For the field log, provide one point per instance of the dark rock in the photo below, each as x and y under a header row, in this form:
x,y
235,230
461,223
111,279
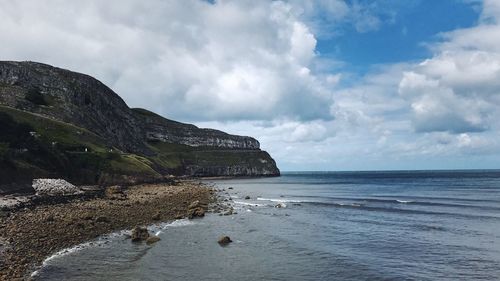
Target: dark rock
x,y
102,219
280,205
247,197
156,216
196,212
139,234
224,240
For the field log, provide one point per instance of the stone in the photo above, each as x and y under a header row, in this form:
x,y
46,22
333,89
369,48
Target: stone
x,y
194,204
156,217
152,239
139,234
102,219
197,212
247,197
224,240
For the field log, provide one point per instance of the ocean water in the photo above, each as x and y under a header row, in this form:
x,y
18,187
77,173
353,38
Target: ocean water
x,y
423,225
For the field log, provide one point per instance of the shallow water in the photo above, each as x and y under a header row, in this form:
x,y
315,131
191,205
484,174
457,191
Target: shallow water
x,y
336,226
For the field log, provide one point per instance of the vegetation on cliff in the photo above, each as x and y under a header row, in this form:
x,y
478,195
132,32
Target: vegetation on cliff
x,y
57,123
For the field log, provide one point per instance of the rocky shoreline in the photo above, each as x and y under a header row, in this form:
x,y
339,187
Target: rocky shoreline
x,y
32,232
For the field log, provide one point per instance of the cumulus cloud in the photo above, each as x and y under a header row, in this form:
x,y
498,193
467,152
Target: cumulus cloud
x,y
458,89
193,60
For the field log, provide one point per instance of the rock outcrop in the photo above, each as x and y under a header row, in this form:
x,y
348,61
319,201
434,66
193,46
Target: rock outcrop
x,y
69,125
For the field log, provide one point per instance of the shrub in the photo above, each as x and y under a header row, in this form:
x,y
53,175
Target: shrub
x,y
34,96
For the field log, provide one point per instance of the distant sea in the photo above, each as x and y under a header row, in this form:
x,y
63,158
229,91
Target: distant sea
x,y
404,225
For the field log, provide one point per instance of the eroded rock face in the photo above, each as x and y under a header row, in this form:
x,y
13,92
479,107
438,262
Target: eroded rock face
x,y
87,103
160,129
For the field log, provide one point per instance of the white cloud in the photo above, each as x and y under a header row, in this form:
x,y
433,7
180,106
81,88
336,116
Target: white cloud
x,y
186,59
251,68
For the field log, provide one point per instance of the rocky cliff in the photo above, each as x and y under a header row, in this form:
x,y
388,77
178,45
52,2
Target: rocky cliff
x,y
68,124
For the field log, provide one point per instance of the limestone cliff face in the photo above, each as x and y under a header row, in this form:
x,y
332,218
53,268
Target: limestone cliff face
x,y
167,147
158,128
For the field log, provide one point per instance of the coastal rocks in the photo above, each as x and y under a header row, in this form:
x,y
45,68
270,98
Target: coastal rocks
x,y
139,234
280,205
54,187
247,197
156,216
196,209
224,240
101,219
152,239
115,193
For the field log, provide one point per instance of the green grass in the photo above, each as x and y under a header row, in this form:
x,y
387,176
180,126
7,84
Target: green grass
x,y
60,150
67,135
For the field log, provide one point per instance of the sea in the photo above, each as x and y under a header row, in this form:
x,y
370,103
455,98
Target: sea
x,y
388,225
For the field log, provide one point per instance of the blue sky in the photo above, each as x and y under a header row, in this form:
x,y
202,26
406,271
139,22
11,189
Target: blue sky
x,y
404,29
322,84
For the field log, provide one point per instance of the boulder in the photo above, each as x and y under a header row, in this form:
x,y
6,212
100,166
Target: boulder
x,y
152,239
194,204
280,205
224,240
197,212
139,234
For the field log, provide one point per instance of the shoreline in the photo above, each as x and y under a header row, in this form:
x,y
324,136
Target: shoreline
x,y
31,235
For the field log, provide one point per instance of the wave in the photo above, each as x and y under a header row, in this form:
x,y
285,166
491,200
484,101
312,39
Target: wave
x,y
279,200
249,204
401,200
396,210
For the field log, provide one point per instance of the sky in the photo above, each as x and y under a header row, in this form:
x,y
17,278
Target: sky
x,y
322,84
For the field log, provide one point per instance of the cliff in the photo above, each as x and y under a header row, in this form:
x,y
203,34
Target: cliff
x,y
60,123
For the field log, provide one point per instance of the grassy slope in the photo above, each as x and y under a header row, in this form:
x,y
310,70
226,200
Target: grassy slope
x,y
61,153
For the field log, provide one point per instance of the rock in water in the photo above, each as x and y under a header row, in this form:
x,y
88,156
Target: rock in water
x,y
54,187
280,205
152,239
196,209
247,197
224,240
139,234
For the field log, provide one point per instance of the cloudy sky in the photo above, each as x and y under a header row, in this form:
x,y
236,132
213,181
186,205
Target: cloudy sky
x,y
324,85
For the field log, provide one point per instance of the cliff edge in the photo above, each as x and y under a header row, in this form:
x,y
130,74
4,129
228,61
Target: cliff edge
x,y
59,123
